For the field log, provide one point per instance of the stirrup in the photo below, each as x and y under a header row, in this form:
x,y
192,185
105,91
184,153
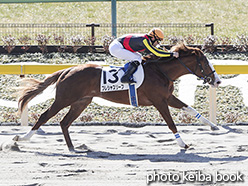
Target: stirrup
x,y
127,80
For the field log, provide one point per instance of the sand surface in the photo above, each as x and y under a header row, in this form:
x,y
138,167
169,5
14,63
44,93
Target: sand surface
x,y
122,156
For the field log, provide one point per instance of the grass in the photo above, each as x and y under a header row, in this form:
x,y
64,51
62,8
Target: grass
x,y
229,16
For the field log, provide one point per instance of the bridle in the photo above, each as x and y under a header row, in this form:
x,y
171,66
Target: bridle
x,y
205,77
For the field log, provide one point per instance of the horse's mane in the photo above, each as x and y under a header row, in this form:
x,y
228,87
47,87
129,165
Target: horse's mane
x,y
185,50
181,48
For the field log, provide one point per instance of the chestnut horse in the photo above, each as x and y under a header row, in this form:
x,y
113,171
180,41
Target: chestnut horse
x,y
76,86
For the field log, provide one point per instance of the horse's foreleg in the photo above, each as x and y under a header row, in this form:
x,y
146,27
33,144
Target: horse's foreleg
x,y
176,103
197,115
162,107
75,110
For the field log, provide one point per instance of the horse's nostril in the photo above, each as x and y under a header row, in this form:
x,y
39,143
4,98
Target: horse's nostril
x,y
218,82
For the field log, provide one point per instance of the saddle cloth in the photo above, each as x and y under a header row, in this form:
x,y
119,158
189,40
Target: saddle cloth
x,y
111,79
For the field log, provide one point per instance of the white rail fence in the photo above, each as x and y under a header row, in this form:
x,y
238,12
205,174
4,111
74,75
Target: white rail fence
x,y
187,84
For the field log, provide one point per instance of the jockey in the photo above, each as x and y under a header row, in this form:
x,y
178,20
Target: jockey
x,y
128,47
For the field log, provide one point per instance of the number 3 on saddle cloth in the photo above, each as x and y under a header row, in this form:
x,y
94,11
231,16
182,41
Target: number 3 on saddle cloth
x,y
111,81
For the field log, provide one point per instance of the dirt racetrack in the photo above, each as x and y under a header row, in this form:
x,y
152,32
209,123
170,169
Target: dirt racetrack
x,y
121,156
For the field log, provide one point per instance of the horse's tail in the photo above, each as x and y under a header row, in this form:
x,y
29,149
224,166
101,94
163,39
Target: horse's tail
x,y
34,87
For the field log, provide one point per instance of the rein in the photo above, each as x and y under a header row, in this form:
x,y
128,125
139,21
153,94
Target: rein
x,y
206,77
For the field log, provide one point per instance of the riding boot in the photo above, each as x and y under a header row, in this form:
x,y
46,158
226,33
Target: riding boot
x,y
129,72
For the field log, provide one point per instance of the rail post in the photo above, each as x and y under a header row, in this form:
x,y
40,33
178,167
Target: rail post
x,y
212,27
24,114
212,105
114,20
93,25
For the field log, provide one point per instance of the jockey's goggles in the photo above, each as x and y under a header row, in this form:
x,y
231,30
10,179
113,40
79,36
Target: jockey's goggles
x,y
157,38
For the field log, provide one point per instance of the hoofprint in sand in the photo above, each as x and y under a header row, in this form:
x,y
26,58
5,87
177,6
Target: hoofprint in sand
x,y
117,155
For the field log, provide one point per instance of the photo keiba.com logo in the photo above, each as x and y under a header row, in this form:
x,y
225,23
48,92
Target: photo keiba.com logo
x,y
195,176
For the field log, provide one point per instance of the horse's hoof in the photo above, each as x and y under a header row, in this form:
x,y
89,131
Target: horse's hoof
x,y
84,148
71,149
16,138
214,128
186,146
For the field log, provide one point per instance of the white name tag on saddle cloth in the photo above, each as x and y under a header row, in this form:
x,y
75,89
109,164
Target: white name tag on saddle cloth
x,y
111,79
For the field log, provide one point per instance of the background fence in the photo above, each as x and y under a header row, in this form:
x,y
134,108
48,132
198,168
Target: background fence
x,y
71,33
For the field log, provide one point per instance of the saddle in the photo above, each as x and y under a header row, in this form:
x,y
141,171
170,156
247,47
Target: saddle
x,y
111,78
111,81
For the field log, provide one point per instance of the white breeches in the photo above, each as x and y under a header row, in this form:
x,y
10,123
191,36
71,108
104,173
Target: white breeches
x,y
116,49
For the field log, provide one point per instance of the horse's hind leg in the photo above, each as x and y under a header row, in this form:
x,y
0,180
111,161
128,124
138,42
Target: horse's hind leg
x,y
176,103
75,110
49,113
